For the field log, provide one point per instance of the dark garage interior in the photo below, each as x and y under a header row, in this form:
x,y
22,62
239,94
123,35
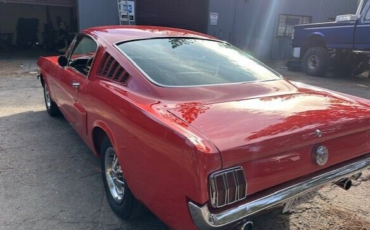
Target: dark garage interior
x,y
36,25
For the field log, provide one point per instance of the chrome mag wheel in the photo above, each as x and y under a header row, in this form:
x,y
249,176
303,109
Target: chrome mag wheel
x,y
114,175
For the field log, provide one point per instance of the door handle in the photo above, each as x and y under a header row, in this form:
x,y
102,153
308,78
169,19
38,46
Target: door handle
x,y
75,85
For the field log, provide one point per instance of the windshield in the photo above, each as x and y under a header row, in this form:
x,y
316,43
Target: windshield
x,y
194,62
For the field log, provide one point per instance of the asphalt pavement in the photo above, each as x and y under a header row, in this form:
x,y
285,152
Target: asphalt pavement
x,y
49,179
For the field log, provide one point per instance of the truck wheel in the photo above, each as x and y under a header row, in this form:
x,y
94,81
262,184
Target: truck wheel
x,y
359,64
351,64
51,106
119,195
316,61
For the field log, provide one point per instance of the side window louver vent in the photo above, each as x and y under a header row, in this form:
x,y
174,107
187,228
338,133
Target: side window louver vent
x,y
111,69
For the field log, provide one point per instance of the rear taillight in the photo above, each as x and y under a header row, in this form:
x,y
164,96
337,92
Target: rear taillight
x,y
227,187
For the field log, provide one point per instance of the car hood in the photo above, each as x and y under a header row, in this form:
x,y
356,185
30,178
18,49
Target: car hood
x,y
284,121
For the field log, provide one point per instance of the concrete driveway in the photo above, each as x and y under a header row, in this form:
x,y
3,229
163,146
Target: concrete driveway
x,y
49,179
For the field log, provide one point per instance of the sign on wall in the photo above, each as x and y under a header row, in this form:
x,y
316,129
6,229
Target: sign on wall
x,y
213,18
127,10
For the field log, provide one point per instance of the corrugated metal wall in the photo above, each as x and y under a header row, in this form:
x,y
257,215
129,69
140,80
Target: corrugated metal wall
x,y
254,27
63,3
97,13
185,14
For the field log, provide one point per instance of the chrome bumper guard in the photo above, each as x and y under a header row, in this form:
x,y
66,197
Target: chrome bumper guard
x,y
205,220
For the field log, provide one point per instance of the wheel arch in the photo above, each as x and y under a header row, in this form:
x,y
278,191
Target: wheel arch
x,y
99,131
314,40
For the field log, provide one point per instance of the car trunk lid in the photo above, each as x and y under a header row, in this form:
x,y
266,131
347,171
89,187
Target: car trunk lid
x,y
273,137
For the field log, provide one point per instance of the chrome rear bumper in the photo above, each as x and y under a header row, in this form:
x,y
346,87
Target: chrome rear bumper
x,y
205,220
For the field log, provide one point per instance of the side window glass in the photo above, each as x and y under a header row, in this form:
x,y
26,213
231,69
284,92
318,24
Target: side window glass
x,y
85,47
83,55
367,16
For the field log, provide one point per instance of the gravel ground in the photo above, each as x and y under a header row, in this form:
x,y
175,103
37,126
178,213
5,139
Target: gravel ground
x,y
49,179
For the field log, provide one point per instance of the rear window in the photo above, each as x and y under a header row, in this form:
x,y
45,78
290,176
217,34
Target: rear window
x,y
194,62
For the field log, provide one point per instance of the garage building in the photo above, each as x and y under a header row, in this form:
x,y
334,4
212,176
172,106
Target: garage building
x,y
261,27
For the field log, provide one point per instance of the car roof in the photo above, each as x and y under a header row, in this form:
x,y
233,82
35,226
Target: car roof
x,y
116,34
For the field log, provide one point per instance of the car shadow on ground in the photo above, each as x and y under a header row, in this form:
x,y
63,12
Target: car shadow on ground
x,y
49,179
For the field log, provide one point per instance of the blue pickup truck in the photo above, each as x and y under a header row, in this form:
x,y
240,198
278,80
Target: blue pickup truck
x,y
342,46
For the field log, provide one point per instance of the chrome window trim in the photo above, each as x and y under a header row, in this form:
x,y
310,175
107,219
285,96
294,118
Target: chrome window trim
x,y
205,220
116,45
74,42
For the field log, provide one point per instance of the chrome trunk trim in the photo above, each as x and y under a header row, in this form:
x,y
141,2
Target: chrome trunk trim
x,y
205,220
361,51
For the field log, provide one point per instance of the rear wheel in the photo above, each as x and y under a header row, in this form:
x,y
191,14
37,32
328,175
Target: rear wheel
x,y
51,106
119,195
351,64
316,61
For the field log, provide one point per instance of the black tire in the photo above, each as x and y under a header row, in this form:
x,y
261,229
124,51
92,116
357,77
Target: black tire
x,y
362,66
129,208
352,64
320,66
51,106
294,66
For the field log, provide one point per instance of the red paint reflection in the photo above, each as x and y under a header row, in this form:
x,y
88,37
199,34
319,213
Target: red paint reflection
x,y
191,111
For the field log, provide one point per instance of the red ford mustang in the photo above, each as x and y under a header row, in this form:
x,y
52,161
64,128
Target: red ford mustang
x,y
198,132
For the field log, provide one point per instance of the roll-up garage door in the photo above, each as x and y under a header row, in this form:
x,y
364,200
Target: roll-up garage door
x,y
185,14
65,3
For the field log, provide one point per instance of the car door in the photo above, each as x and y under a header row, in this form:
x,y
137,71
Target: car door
x,y
362,38
75,79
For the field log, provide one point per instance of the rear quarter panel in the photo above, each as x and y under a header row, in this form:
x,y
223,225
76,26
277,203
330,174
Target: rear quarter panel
x,y
163,169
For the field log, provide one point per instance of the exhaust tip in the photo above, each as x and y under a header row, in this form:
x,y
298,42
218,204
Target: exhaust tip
x,y
345,184
249,226
356,176
246,226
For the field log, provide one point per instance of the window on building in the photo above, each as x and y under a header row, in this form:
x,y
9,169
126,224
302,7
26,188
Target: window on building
x,y
287,23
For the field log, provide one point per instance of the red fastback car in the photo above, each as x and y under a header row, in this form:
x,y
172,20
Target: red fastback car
x,y
197,131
